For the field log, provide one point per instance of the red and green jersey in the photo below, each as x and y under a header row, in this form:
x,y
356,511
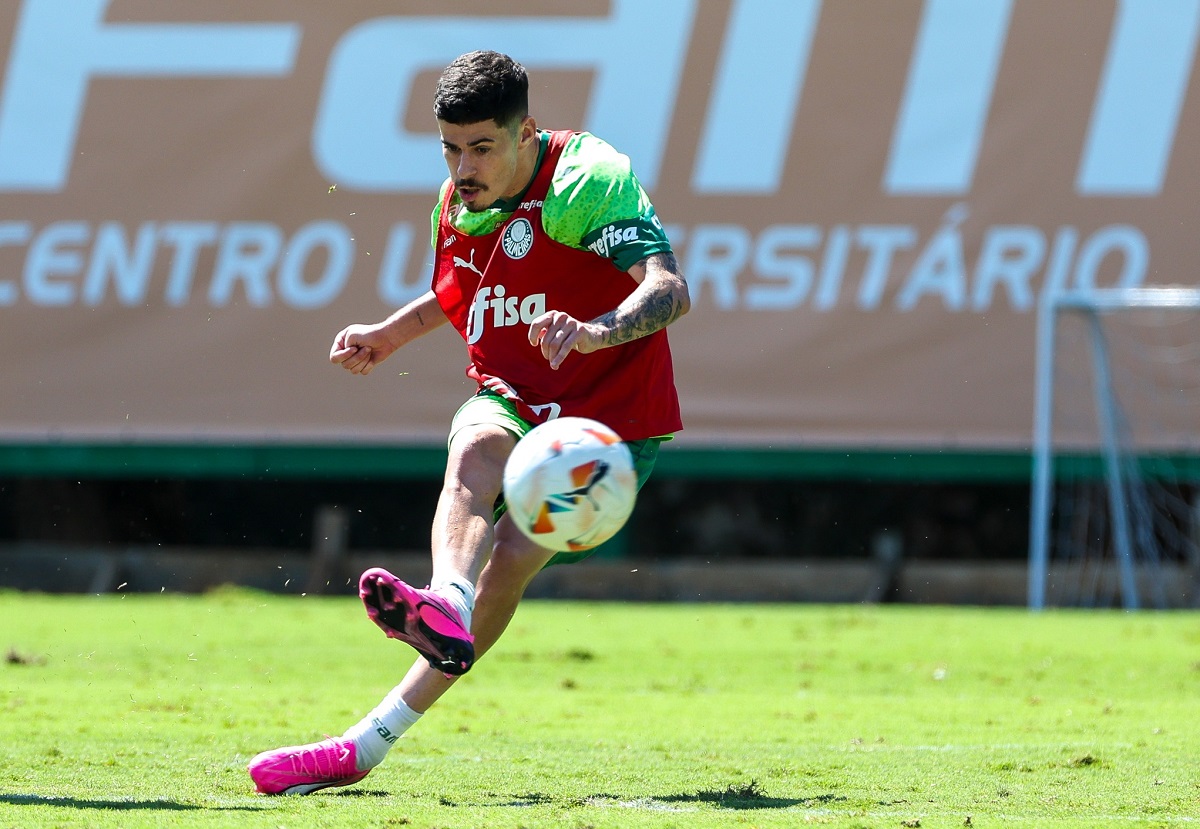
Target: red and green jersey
x,y
522,261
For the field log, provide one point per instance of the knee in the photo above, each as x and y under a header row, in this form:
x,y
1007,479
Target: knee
x,y
514,555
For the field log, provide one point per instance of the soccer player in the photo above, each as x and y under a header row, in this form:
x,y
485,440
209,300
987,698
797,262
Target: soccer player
x,y
552,265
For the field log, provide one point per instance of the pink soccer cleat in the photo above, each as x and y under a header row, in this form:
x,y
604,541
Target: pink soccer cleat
x,y
304,769
421,618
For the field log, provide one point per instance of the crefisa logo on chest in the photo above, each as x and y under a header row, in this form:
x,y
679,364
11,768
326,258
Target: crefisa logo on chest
x,y
517,238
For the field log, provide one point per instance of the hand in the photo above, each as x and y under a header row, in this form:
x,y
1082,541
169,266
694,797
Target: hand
x,y
359,348
559,334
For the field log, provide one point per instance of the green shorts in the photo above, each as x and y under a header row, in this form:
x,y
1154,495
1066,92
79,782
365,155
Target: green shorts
x,y
491,409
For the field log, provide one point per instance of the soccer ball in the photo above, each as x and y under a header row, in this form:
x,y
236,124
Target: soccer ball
x,y
569,484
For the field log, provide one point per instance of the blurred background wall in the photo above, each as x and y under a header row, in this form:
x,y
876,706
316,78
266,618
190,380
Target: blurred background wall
x,y
870,202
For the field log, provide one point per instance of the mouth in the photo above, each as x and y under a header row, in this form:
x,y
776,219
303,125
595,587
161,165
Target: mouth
x,y
468,191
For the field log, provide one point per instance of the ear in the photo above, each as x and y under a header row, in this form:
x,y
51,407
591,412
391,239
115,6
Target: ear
x,y
527,132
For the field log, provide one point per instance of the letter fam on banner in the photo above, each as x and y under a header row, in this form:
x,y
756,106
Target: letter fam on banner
x,y
359,140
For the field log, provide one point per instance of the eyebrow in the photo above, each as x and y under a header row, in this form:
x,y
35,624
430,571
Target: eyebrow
x,y
475,143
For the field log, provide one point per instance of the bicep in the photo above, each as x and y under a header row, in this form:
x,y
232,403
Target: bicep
x,y
432,309
661,283
656,267
421,315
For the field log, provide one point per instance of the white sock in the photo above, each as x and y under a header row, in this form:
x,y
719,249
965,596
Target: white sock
x,y
375,733
460,593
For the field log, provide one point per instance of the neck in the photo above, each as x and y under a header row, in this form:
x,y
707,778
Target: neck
x,y
526,166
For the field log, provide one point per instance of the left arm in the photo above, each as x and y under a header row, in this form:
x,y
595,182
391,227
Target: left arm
x,y
660,298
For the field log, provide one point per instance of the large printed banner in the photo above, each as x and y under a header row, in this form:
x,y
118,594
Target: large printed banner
x,y
868,199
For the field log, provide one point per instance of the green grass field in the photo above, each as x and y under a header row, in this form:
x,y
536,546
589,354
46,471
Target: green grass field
x,y
142,711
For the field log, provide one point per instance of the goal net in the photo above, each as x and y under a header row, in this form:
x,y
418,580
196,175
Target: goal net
x,y
1115,504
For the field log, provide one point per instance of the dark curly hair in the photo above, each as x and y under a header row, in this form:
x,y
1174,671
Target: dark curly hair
x,y
481,86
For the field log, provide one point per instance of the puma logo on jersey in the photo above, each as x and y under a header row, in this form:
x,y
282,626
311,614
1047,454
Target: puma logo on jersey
x,y
495,306
459,262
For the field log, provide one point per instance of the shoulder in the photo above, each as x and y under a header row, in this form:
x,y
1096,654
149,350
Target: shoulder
x,y
596,203
441,199
593,185
435,215
590,162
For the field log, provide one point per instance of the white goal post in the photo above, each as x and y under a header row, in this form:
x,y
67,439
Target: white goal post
x,y
1092,305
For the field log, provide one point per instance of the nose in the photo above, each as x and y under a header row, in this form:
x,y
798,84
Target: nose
x,y
466,168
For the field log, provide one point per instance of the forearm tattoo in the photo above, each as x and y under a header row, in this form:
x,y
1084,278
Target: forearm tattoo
x,y
646,311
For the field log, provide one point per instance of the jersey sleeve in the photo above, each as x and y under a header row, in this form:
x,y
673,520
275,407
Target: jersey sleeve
x,y
596,203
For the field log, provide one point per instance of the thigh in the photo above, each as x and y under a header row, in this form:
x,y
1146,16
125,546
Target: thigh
x,y
487,409
482,435
475,463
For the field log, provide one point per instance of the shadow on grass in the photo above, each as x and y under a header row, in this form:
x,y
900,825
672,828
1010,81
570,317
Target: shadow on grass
x,y
747,797
117,805
733,797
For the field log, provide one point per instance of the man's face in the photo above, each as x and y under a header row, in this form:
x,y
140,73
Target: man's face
x,y
484,159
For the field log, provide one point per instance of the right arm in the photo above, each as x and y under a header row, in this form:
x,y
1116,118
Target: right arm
x,y
359,348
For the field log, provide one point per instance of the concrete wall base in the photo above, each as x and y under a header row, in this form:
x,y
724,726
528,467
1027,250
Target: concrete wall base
x,y
184,570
